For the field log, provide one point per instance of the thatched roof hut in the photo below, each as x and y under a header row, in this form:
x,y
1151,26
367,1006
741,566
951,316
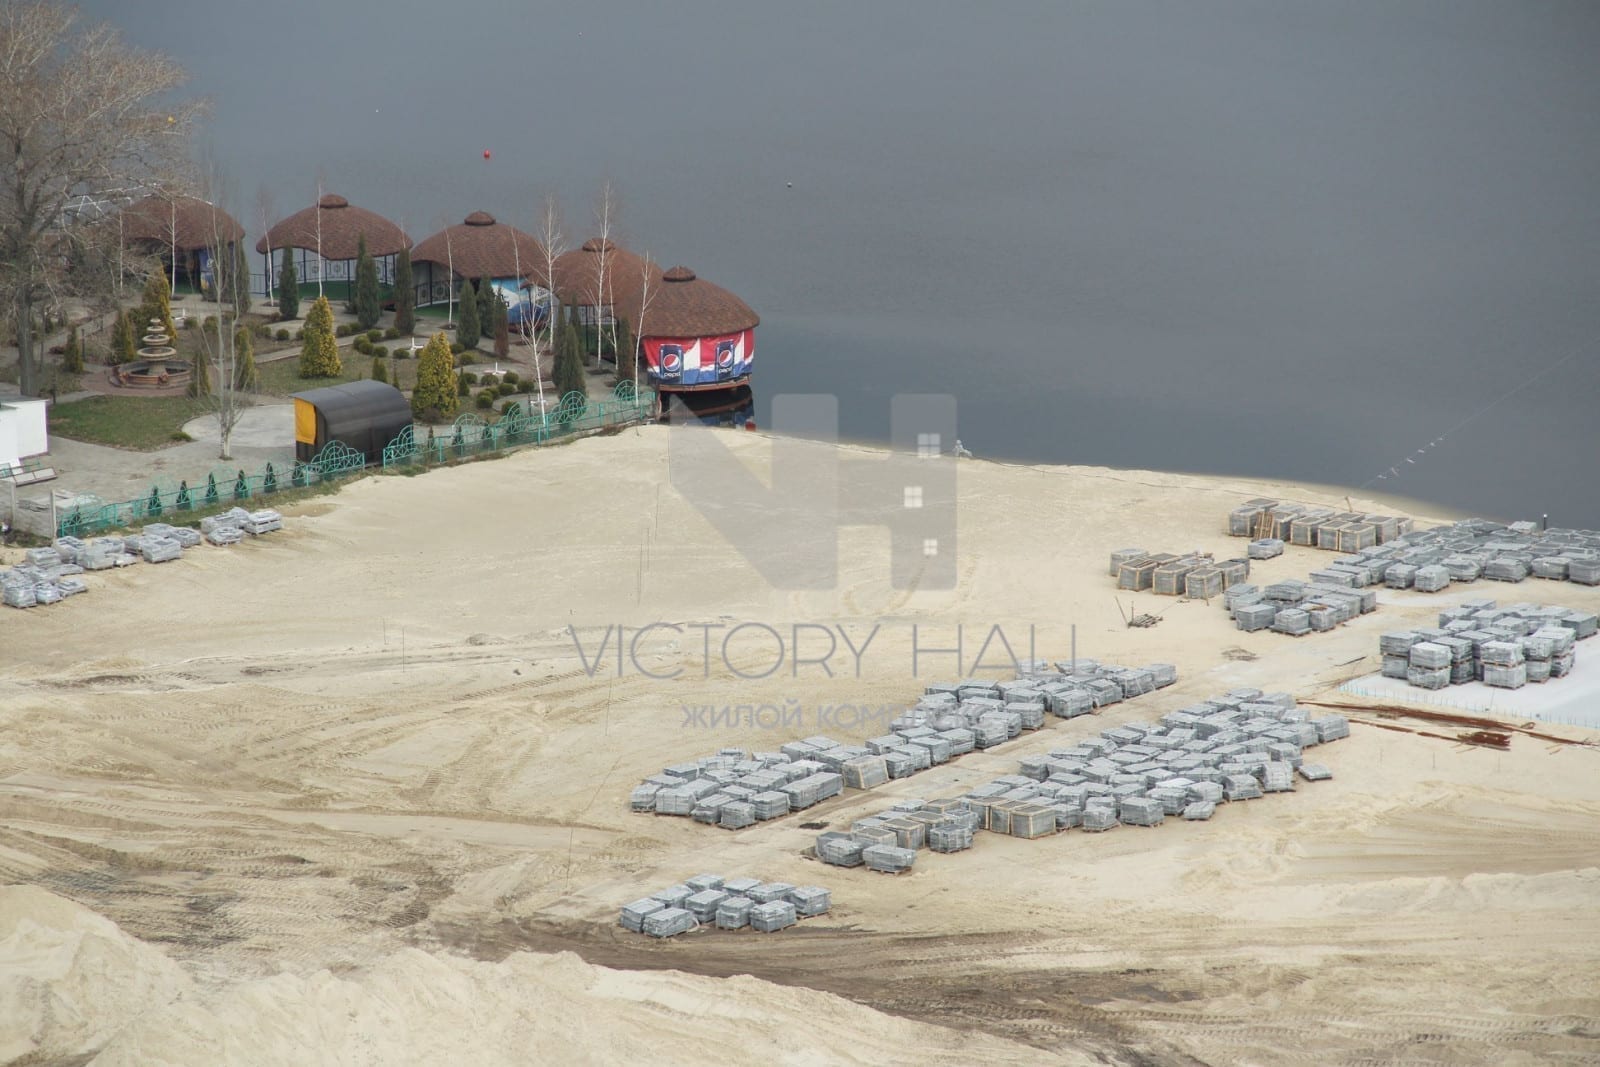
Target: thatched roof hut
x,y
187,221
342,226
479,246
577,277
685,305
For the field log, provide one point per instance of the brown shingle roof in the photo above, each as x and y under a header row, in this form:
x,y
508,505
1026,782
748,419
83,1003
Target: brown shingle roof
x,y
199,223
480,245
576,276
342,227
686,306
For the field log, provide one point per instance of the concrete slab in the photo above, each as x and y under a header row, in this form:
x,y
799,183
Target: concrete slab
x,y
1573,700
261,426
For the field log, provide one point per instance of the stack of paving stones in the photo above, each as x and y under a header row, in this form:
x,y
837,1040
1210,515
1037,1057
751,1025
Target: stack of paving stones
x,y
736,788
1297,607
50,574
1430,561
1478,641
1239,746
47,575
1196,576
726,904
1264,519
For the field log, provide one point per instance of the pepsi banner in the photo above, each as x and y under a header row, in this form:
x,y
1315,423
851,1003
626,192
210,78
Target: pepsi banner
x,y
699,361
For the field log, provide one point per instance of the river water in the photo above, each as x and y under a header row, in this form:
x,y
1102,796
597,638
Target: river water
x,y
1302,240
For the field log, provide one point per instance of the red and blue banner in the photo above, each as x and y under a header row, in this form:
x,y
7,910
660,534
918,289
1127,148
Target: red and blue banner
x,y
697,361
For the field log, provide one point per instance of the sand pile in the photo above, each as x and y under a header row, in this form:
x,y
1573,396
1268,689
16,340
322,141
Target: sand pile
x,y
69,979
416,1008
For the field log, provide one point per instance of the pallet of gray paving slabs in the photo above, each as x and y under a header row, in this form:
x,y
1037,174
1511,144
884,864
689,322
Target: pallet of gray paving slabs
x,y
810,900
1241,787
633,915
1551,567
1584,571
1507,569
1430,655
1199,810
734,913
1125,555
1505,677
888,858
1292,621
261,522
949,836
773,916
1265,548
668,922
1098,818
1140,811
1279,778
1253,617
839,850
1400,576
736,815
71,586
703,905
1331,727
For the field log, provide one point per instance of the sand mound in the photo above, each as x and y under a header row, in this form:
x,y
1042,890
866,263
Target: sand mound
x,y
69,979
415,1008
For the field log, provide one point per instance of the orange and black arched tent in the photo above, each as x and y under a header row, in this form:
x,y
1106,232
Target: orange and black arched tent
x,y
364,414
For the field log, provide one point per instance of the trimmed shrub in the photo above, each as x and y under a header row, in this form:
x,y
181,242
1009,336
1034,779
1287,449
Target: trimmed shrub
x,y
282,334
467,327
462,388
288,287
319,356
489,379
381,351
379,373
506,388
524,387
368,304
391,334
374,336
511,376
405,294
362,345
468,377
486,399
435,393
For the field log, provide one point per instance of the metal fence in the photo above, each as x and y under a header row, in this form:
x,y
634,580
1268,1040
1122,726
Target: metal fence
x,y
469,435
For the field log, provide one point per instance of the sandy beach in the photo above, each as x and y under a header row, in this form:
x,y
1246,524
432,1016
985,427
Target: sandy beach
x,y
348,794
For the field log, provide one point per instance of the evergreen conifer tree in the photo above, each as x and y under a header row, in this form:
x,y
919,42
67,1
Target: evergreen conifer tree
x,y
319,354
124,349
245,376
467,323
158,304
486,294
369,306
378,372
72,358
569,374
435,392
288,287
405,295
500,327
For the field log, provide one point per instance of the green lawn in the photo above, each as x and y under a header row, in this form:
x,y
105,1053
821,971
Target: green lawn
x,y
138,422
281,378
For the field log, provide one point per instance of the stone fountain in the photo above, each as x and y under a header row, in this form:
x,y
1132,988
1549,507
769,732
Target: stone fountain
x,y
157,365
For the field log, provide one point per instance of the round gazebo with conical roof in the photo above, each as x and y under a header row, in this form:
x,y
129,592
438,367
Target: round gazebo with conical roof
x,y
184,231
325,238
475,247
577,282
696,335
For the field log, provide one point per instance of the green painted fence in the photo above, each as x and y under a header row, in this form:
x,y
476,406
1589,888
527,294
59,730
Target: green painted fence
x,y
469,435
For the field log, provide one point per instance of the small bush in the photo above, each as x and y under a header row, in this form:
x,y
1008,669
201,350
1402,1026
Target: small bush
x,y
374,336
262,330
468,377
342,330
511,376
282,334
507,406
506,388
381,351
489,379
210,323
524,387
486,400
190,323
456,347
362,345
391,334
299,335
179,435
463,388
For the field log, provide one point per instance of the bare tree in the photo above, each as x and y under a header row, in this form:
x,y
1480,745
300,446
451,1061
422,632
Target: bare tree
x,y
226,400
605,212
321,263
78,116
265,212
646,294
555,243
